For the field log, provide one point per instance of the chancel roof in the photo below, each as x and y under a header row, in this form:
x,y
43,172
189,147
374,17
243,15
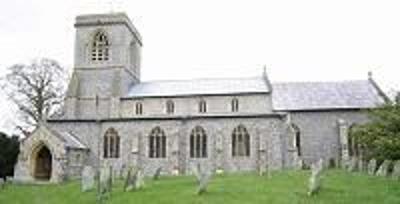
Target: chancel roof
x,y
326,95
199,87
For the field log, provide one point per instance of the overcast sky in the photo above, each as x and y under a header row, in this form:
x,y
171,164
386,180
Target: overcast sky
x,y
297,40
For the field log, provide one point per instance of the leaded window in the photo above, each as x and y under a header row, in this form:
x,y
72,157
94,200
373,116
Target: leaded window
x,y
170,107
202,106
111,144
139,108
235,105
297,139
240,142
157,143
198,143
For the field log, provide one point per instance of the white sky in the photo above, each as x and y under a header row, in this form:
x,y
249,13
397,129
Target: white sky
x,y
308,40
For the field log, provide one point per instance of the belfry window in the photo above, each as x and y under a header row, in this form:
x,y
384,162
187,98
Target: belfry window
x,y
202,106
157,143
235,105
170,107
111,144
240,142
198,143
100,47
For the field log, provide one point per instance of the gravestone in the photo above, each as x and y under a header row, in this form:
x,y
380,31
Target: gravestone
x,y
105,179
353,166
87,179
9,179
219,171
196,169
139,179
204,181
383,169
372,167
396,170
361,165
130,179
157,173
2,183
315,178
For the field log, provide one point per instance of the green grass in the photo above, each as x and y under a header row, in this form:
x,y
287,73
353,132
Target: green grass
x,y
283,187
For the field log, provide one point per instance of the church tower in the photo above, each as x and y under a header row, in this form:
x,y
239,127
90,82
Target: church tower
x,y
106,65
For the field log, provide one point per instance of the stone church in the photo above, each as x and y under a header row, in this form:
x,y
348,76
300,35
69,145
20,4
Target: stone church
x,y
111,117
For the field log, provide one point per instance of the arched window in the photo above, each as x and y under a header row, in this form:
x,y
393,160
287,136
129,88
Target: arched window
x,y
111,144
240,142
202,106
100,47
198,143
157,143
297,139
235,105
139,108
170,107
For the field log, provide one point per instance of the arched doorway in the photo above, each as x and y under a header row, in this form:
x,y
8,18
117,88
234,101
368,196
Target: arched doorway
x,y
43,164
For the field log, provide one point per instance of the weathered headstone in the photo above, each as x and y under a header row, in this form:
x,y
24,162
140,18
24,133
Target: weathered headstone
x,y
315,178
383,169
139,179
157,173
9,179
105,179
87,179
372,167
353,166
396,170
204,181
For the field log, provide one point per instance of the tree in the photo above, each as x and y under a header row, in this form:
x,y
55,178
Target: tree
x,y
8,154
380,138
37,89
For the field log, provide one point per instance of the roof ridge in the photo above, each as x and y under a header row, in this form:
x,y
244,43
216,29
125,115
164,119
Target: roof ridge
x,y
198,79
320,82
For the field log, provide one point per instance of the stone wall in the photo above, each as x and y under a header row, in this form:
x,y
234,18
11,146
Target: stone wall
x,y
265,140
320,132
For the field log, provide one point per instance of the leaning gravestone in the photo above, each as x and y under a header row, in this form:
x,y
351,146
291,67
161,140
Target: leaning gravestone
x,y
87,179
396,170
204,181
383,169
372,167
315,179
157,174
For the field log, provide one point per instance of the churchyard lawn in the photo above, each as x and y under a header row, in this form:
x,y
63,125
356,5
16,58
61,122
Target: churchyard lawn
x,y
282,187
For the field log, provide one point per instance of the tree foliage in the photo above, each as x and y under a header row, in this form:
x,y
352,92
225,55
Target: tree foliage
x,y
380,138
37,89
8,154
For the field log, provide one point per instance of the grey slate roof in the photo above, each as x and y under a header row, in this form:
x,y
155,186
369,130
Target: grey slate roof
x,y
325,95
199,87
72,141
69,139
